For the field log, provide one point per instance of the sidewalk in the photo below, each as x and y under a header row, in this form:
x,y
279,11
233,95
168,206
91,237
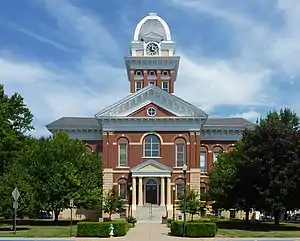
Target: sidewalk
x,y
145,231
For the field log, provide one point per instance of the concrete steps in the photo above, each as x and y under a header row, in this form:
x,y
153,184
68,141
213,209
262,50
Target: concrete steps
x,y
150,212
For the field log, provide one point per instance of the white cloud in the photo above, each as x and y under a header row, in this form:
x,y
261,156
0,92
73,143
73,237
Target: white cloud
x,y
52,91
220,82
250,115
273,49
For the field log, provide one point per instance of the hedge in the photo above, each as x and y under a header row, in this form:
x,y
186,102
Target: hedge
x,y
194,229
101,229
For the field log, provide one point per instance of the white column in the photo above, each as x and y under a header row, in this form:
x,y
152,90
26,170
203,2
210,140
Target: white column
x,y
140,191
133,193
162,191
169,191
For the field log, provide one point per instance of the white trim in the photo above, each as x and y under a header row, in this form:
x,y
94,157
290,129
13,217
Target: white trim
x,y
205,168
151,143
149,17
162,84
184,154
154,111
135,85
126,152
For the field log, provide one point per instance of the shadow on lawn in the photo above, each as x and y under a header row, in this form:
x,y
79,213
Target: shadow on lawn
x,y
255,226
7,229
38,222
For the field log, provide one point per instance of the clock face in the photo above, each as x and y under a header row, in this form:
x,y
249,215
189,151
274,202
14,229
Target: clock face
x,y
152,49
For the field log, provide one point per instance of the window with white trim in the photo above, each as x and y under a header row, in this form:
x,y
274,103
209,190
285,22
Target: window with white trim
x,y
151,146
203,155
216,153
180,152
215,156
165,85
138,85
151,83
122,154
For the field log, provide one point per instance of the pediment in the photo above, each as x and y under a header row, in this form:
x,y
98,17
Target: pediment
x,y
152,94
160,112
151,165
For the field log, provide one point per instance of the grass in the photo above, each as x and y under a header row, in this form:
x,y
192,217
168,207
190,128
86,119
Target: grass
x,y
37,229
237,228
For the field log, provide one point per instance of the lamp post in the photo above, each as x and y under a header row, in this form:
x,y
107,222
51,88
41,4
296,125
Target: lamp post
x,y
173,202
130,201
184,169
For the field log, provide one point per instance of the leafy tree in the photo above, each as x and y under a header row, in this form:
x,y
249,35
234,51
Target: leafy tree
x,y
113,203
193,202
223,178
272,152
15,121
62,169
16,175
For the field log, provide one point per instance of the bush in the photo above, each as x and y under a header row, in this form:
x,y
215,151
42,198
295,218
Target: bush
x,y
169,221
194,229
101,229
131,220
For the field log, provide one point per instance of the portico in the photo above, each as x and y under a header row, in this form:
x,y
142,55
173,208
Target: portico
x,y
151,184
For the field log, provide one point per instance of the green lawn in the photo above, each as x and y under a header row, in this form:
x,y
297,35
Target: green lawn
x,y
44,229
241,229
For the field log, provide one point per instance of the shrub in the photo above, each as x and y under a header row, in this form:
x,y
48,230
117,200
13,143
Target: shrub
x,y
194,229
169,221
101,229
131,220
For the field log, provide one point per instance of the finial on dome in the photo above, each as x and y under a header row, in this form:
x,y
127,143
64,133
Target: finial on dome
x,y
152,14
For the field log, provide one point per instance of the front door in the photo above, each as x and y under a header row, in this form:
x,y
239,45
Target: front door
x,y
151,191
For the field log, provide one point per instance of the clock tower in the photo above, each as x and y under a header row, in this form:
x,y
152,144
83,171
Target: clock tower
x,y
152,60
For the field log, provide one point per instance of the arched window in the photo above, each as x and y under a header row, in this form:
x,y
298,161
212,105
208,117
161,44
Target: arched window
x,y
122,152
217,150
122,188
179,184
203,159
180,152
151,146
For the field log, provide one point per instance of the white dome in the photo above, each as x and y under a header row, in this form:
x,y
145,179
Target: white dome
x,y
152,24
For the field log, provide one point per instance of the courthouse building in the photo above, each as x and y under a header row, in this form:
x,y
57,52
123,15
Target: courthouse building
x,y
147,137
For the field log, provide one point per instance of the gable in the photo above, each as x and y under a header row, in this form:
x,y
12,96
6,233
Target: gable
x,y
151,166
159,111
157,96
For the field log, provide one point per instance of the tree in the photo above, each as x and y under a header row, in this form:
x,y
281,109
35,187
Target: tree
x,y
15,121
113,203
223,178
61,170
193,202
272,152
16,175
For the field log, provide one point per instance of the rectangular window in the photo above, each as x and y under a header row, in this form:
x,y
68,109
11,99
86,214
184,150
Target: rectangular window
x,y
152,83
123,190
180,154
165,85
122,154
203,161
179,190
138,85
215,156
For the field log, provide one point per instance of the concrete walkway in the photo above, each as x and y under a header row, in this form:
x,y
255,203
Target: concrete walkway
x,y
150,231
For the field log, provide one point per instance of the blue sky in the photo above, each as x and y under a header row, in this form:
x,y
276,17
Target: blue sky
x,y
238,58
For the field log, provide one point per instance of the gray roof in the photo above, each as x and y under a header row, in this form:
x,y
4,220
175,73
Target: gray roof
x,y
227,122
74,122
91,123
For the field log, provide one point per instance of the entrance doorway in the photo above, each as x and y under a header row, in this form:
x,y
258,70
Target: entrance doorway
x,y
151,191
